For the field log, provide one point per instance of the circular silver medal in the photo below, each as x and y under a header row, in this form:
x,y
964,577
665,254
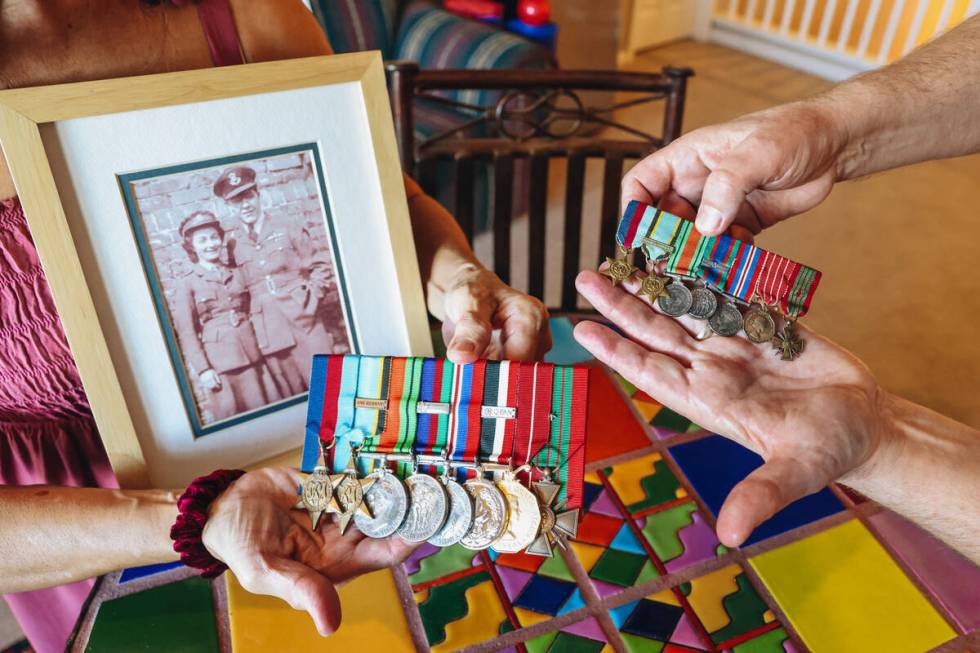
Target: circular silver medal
x,y
460,517
523,517
704,303
678,300
388,501
759,326
427,508
489,514
727,320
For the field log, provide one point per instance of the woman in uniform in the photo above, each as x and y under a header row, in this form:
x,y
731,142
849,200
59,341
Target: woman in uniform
x,y
211,315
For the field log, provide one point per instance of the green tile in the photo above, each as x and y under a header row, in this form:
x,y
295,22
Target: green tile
x,y
662,530
569,643
442,563
668,419
556,567
648,573
637,644
540,644
618,567
177,618
746,608
771,642
659,487
446,604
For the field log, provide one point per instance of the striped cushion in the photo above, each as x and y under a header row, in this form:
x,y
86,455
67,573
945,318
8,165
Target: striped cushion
x,y
357,25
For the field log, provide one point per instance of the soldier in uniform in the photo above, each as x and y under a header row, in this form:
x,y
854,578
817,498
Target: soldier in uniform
x,y
289,282
211,315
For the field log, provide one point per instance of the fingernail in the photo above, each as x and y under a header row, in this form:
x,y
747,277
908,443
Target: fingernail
x,y
709,219
465,346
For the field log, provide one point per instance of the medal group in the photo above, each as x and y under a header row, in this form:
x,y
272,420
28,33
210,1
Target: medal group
x,y
486,455
717,267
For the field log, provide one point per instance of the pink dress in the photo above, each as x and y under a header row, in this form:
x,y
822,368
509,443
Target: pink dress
x,y
47,433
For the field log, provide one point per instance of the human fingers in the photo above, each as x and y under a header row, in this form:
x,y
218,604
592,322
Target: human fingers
x,y
469,309
632,315
524,325
300,586
763,493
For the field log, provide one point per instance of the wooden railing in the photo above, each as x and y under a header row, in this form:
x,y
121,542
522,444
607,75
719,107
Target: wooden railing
x,y
833,38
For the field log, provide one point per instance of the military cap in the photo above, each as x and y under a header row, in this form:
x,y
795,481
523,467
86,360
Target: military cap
x,y
234,182
197,220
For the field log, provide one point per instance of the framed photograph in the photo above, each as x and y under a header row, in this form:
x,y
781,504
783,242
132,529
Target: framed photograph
x,y
204,234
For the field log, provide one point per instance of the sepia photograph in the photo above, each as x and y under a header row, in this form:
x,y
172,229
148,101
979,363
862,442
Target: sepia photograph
x,y
239,254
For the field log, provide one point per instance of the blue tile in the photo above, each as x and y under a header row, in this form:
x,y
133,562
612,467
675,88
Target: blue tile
x,y
621,614
653,620
590,492
565,349
573,603
626,541
545,595
150,570
715,464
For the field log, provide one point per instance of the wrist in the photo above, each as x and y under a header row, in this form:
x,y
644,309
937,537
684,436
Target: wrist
x,y
888,439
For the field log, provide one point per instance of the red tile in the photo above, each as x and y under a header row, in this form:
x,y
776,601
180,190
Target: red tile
x,y
598,529
612,427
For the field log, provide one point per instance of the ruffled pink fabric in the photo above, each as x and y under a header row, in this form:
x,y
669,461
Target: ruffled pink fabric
x,y
47,434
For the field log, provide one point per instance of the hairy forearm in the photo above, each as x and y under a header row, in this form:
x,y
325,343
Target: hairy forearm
x,y
54,535
441,248
922,107
927,467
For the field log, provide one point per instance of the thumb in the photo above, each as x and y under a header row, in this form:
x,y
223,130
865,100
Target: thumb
x,y
471,324
748,167
762,494
303,589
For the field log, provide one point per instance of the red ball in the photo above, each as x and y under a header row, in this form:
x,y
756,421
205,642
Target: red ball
x,y
534,12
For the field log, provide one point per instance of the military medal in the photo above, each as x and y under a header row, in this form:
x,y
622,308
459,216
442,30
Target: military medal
x,y
678,300
524,517
348,495
460,516
654,287
619,269
759,325
317,492
387,500
726,321
787,344
427,510
704,303
555,526
489,514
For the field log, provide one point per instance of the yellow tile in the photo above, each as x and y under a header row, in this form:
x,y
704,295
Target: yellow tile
x,y
592,477
666,596
372,613
646,409
707,593
842,593
625,478
529,617
481,623
608,649
587,554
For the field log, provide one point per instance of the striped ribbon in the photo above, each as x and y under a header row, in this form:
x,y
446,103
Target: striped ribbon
x,y
549,429
735,268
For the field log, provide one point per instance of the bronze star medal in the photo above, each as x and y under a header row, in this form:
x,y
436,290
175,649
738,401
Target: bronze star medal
x,y
787,344
654,286
555,525
619,269
348,495
317,492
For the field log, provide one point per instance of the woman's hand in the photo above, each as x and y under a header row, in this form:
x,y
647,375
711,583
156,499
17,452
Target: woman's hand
x,y
485,318
814,420
272,549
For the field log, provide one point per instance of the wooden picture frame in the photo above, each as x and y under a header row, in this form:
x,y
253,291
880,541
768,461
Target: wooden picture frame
x,y
30,120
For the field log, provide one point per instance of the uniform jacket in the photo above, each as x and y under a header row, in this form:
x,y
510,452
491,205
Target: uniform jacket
x,y
211,315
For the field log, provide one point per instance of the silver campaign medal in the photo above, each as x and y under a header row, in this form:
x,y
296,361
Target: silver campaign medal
x,y
460,517
523,515
387,500
727,320
489,514
678,300
704,303
427,509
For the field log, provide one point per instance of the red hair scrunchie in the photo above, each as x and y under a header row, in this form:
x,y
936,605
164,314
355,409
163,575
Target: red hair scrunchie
x,y
193,507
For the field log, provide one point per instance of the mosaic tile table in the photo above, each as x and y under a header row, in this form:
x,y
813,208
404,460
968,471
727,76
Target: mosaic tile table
x,y
832,573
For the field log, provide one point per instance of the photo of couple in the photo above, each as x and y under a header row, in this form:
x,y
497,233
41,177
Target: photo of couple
x,y
238,254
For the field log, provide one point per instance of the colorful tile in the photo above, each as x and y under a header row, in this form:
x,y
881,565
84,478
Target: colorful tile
x,y
644,483
612,428
174,617
680,536
774,641
584,636
134,573
545,595
461,612
727,605
842,592
622,568
654,622
428,562
372,613
714,465
951,578
565,350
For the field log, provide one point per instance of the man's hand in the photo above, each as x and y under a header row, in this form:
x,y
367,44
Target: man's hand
x,y
813,420
485,318
750,173
272,548
210,380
